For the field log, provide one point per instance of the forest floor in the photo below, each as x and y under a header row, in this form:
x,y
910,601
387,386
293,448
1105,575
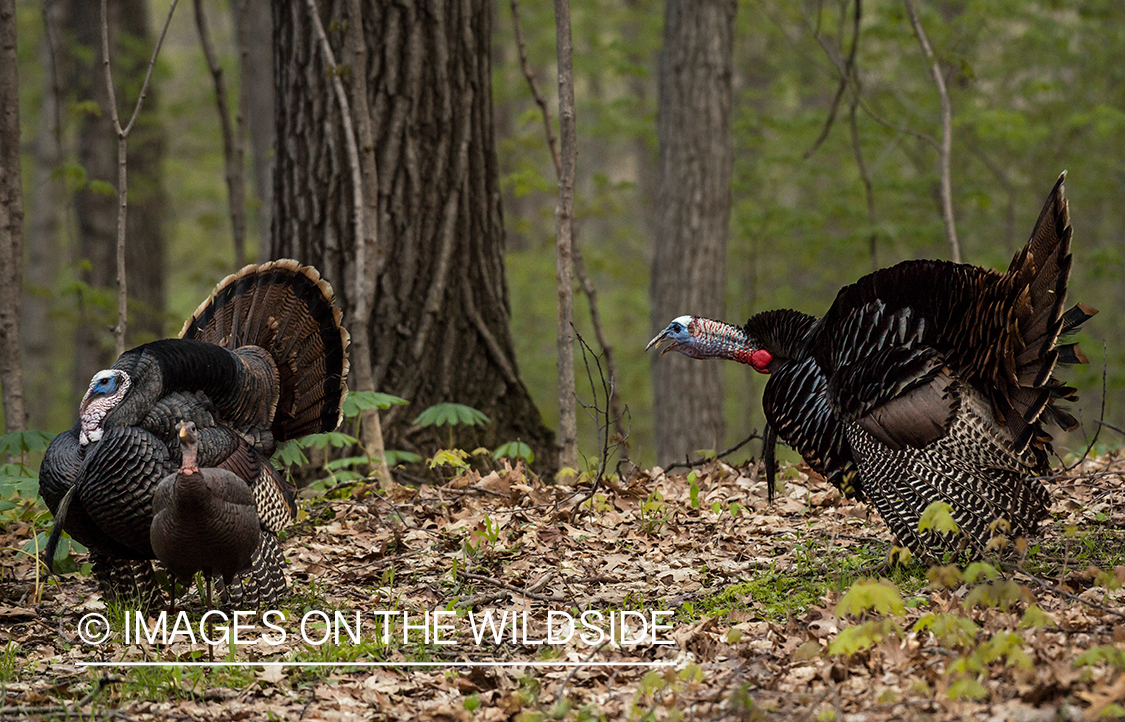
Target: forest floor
x,y
760,621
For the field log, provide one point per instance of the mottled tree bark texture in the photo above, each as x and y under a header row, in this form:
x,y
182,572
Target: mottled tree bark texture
x,y
11,225
692,214
440,327
130,42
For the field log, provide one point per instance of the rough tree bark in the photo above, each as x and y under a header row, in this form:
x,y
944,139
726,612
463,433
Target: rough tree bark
x,y
97,153
42,340
440,324
692,214
11,224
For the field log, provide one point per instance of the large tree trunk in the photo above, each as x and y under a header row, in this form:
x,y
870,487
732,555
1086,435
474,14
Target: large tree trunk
x,y
130,45
45,250
693,212
11,224
440,328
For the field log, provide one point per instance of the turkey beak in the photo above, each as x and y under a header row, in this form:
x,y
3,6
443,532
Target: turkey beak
x,y
661,337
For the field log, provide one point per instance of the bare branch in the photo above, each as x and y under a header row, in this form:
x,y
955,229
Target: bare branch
x,y
599,333
946,134
601,415
364,200
232,150
525,66
564,224
122,176
579,264
846,73
868,190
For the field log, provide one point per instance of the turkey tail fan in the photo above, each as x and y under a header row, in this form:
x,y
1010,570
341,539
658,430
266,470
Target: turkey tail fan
x,y
1037,280
288,310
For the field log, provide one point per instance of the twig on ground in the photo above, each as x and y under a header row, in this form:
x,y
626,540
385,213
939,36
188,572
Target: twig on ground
x,y
511,588
1069,595
566,680
687,464
61,710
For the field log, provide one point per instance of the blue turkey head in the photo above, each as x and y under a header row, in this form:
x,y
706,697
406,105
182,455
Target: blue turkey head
x,y
704,338
679,333
106,391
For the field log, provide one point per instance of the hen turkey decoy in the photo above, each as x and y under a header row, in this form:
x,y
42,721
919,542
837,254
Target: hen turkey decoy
x,y
928,381
204,520
264,359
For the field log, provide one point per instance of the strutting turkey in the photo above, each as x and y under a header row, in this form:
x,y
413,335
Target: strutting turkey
x,y
928,381
264,359
204,520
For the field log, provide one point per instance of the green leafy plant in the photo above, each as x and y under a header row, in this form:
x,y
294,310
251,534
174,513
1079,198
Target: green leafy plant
x,y
514,450
448,414
360,401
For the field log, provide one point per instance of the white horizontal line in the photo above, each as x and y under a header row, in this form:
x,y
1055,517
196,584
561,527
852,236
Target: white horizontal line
x,y
375,664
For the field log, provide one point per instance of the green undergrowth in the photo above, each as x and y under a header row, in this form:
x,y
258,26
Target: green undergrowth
x,y
785,591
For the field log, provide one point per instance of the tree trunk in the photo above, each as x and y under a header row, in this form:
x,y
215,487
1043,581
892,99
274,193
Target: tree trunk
x,y
693,212
440,327
255,47
96,209
11,224
42,339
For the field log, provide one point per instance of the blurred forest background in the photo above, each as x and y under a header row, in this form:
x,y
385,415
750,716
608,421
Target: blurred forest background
x,y
1036,87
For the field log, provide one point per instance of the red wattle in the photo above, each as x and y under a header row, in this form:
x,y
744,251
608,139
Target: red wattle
x,y
760,360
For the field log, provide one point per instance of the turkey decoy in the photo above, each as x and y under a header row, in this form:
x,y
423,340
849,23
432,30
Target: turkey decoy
x,y
264,359
928,381
204,520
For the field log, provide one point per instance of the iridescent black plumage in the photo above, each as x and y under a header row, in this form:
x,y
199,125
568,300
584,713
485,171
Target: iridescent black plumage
x,y
264,359
928,381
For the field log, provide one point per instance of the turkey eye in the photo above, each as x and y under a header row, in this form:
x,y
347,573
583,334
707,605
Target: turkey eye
x,y
676,328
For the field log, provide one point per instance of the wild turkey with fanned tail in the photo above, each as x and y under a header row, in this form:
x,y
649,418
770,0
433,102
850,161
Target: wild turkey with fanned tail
x,y
928,381
263,360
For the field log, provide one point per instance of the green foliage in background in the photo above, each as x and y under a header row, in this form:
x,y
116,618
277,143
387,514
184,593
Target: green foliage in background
x,y
1036,86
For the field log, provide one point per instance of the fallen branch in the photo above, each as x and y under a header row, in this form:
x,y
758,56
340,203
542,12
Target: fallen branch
x,y
61,710
1069,595
686,464
512,588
